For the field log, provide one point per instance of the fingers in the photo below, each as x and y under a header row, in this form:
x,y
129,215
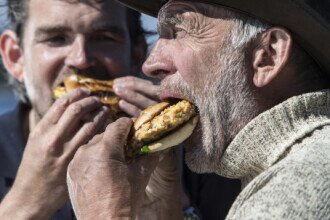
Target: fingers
x,y
75,113
137,84
94,125
166,176
129,108
139,92
137,99
58,108
115,137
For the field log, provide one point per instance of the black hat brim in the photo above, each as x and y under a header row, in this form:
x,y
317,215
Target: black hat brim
x,y
309,28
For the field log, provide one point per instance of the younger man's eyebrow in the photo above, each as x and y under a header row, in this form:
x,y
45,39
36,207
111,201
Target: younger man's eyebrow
x,y
48,29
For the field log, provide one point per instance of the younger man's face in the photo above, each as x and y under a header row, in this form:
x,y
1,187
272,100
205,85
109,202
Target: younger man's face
x,y
60,35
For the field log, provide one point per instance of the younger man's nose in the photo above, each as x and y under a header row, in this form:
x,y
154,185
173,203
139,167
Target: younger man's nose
x,y
79,56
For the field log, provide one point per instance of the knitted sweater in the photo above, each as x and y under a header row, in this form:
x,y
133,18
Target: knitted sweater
x,y
283,160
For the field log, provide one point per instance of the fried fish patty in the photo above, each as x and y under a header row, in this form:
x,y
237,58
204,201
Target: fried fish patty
x,y
169,119
100,88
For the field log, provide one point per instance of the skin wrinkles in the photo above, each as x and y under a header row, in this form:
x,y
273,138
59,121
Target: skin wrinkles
x,y
192,24
221,95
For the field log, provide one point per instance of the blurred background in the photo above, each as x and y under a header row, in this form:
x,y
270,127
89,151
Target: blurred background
x,y
8,99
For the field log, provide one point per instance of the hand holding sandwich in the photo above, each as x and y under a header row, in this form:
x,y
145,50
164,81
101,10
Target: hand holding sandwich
x,y
100,181
40,186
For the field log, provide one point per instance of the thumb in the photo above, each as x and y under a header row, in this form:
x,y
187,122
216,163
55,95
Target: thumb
x,y
165,180
115,137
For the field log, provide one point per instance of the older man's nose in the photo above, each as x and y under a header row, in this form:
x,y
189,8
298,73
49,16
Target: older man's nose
x,y
160,63
79,56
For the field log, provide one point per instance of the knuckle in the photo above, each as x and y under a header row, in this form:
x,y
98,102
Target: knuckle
x,y
51,148
79,154
89,129
129,81
120,128
35,134
76,109
62,104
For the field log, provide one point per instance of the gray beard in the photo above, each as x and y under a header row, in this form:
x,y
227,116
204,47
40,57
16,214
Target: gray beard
x,y
226,104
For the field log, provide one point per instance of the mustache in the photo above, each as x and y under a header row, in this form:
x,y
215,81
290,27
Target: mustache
x,y
178,87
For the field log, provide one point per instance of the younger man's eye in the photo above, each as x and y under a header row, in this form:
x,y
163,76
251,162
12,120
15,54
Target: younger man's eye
x,y
56,40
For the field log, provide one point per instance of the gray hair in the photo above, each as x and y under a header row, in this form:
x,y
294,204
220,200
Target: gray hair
x,y
246,29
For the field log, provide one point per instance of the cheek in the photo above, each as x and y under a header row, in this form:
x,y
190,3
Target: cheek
x,y
45,63
41,69
191,68
202,67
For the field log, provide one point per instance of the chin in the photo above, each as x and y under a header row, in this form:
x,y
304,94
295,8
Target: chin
x,y
196,156
202,152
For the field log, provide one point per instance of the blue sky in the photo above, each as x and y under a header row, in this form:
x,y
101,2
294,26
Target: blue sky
x,y
150,24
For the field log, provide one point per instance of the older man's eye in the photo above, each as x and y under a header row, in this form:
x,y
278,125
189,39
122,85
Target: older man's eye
x,y
179,33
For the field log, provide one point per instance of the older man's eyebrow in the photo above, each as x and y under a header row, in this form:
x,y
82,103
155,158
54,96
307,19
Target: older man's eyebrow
x,y
169,20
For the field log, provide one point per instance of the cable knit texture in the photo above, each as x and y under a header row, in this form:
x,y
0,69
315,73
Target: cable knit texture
x,y
283,160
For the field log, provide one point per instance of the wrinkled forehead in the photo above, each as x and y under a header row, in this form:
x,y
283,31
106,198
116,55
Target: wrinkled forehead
x,y
172,7
178,11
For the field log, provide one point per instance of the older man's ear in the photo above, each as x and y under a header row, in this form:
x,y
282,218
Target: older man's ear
x,y
271,55
12,54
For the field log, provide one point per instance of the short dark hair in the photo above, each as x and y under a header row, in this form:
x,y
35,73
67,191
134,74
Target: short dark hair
x,y
18,15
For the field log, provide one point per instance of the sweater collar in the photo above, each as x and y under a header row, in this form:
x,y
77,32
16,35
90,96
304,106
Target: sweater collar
x,y
270,136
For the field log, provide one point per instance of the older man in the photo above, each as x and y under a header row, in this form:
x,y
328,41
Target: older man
x,y
258,73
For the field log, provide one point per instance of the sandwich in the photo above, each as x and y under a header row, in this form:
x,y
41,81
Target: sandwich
x,y
161,126
100,88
